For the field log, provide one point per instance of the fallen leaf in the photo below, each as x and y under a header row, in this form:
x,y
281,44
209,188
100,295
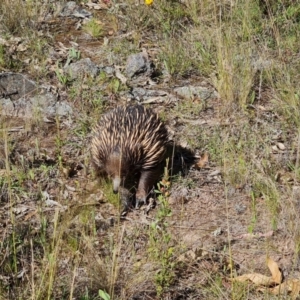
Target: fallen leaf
x,y
280,289
294,284
22,47
276,274
261,108
280,146
27,61
291,286
28,216
255,278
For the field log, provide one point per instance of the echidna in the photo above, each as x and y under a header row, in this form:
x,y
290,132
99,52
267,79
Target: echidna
x,y
130,140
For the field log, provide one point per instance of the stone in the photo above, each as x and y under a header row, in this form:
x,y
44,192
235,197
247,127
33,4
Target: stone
x,y
21,97
137,64
190,92
72,9
81,67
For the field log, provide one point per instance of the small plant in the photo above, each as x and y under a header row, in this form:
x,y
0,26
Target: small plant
x,y
114,85
73,55
94,28
62,78
103,295
160,247
2,56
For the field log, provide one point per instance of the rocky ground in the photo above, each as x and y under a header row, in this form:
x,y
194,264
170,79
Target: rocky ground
x,y
62,236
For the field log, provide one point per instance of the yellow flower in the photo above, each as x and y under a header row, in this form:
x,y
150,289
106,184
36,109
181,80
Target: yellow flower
x,y
148,2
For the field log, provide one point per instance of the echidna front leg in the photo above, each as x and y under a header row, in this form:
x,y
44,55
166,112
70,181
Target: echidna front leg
x,y
146,182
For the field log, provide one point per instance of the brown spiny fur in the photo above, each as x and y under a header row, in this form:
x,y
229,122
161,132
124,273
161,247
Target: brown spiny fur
x,y
130,140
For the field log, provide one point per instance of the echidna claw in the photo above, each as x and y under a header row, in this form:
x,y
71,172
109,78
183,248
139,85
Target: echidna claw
x,y
139,203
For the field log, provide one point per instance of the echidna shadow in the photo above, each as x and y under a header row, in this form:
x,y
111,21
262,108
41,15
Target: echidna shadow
x,y
131,145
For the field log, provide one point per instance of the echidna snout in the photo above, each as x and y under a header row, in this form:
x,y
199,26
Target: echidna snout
x,y
115,170
116,184
119,170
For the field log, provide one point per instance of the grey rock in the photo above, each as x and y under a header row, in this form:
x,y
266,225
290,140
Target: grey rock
x,y
68,9
21,97
81,67
262,64
142,94
190,92
15,85
41,104
137,64
138,93
7,106
255,62
63,109
72,9
108,70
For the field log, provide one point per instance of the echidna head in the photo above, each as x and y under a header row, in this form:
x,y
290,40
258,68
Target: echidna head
x,y
114,168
